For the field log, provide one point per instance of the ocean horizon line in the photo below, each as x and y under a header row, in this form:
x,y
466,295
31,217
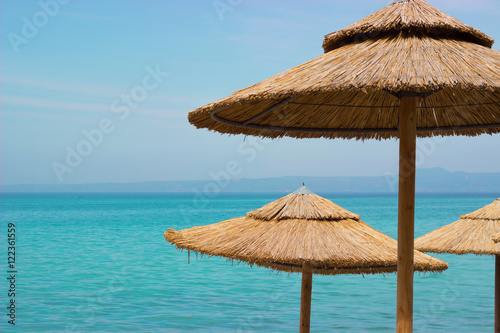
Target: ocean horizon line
x,y
242,195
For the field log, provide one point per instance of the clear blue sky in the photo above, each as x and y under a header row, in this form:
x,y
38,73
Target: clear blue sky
x,y
67,70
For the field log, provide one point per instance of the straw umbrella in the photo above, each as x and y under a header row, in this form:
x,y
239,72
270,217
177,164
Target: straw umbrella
x,y
301,232
471,234
407,70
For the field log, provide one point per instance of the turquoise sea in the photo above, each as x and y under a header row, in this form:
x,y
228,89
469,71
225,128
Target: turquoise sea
x,y
99,263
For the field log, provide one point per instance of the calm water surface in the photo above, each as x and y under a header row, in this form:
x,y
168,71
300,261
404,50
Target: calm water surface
x,y
99,263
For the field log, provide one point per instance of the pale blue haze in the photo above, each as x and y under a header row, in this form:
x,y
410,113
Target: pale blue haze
x,y
65,79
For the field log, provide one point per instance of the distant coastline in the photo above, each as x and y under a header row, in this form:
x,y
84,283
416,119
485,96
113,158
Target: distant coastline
x,y
228,195
429,181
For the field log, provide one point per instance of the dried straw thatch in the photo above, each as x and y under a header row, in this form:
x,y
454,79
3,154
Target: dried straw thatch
x,y
496,238
352,90
418,16
301,227
471,234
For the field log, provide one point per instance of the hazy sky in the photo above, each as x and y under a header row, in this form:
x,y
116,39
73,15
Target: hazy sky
x,y
113,81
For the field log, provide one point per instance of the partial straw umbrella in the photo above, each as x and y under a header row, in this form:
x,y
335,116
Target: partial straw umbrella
x,y
471,234
301,232
407,70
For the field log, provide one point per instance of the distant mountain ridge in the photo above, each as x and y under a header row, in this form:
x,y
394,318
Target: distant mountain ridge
x,y
435,180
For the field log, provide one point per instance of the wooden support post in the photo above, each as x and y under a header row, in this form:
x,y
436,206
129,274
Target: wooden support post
x,y
497,294
305,299
406,213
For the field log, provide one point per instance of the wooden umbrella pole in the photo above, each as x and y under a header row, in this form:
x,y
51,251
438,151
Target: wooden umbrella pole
x,y
497,294
305,299
406,213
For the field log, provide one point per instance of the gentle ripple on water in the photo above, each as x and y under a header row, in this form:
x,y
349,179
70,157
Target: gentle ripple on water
x,y
100,264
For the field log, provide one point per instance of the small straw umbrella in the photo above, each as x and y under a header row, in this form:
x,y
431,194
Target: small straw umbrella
x,y
301,232
471,234
407,70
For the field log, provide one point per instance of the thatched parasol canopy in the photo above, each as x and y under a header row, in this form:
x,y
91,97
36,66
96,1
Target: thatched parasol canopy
x,y
471,234
301,227
301,232
354,89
